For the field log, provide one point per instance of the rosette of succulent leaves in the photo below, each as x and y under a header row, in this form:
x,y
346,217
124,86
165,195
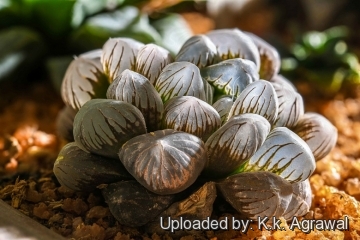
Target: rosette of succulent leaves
x,y
151,129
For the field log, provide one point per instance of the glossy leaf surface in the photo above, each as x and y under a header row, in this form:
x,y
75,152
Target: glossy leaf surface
x,y
199,50
82,171
134,88
94,54
192,115
119,54
102,126
269,57
166,161
235,142
300,201
230,77
291,106
84,80
285,154
281,81
180,79
223,106
151,59
258,97
233,43
318,133
209,92
257,194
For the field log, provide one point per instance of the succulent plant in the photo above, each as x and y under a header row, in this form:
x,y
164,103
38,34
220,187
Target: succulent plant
x,y
83,80
269,57
205,118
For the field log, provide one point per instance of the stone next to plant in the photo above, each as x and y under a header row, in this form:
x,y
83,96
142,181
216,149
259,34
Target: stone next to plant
x,y
162,136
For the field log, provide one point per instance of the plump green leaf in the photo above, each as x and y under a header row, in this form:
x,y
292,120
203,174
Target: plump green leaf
x,y
291,106
164,162
134,88
180,79
269,57
300,201
233,43
118,55
150,61
209,92
199,50
84,80
102,126
257,194
318,133
230,77
82,171
283,153
223,106
258,97
235,142
174,31
281,81
192,115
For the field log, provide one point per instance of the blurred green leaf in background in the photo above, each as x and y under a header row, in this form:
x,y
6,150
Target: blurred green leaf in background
x,y
47,33
325,59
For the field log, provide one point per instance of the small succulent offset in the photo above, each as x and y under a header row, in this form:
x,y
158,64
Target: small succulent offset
x,y
153,128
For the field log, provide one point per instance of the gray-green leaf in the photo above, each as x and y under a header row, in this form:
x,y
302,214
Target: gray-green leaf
x,y
192,115
151,60
174,31
82,171
257,194
166,161
269,57
291,106
119,54
209,92
281,81
235,142
102,126
233,43
230,77
180,79
199,50
134,88
318,133
84,80
285,154
301,200
223,106
258,97
94,54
